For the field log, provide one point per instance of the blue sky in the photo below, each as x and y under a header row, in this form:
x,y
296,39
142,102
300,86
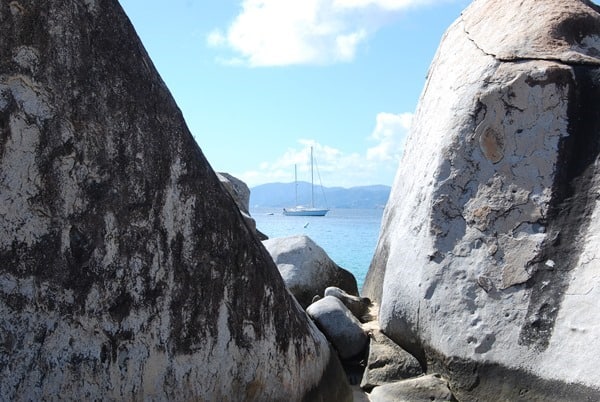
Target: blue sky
x,y
261,81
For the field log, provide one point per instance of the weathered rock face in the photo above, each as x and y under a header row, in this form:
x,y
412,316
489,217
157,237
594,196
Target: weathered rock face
x,y
356,304
306,268
488,257
387,362
238,190
421,389
240,193
340,326
126,272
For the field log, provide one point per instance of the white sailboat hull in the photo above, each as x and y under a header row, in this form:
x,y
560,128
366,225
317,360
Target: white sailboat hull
x,y
303,211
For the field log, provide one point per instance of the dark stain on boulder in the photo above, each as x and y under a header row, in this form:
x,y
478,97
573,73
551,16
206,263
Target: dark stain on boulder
x,y
574,29
554,75
121,307
130,220
115,340
573,201
4,132
81,246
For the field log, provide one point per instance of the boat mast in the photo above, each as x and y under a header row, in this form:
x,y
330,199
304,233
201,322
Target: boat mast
x,y
312,179
296,182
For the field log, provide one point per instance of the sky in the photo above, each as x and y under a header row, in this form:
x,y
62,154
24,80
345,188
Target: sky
x,y
260,82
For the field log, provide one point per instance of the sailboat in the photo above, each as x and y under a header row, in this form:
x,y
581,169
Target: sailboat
x,y
300,210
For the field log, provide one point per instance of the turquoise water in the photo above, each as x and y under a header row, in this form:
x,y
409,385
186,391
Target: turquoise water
x,y
349,236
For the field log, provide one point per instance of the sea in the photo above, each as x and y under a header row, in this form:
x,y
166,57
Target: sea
x,y
348,236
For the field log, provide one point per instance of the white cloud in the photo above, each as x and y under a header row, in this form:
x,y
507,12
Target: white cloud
x,y
390,5
390,134
335,167
286,32
216,39
346,44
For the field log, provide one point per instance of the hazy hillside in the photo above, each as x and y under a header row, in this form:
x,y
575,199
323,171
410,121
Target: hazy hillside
x,y
282,195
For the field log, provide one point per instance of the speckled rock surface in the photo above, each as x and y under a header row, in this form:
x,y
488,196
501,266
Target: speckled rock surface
x,y
487,263
126,271
306,268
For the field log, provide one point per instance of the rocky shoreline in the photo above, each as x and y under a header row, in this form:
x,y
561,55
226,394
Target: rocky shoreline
x,y
376,368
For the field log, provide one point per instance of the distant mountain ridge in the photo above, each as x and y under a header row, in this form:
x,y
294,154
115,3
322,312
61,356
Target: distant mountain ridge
x,y
280,195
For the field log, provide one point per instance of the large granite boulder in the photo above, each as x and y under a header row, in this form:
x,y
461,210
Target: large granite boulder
x,y
306,268
359,306
126,271
339,325
237,189
488,258
387,362
427,388
240,193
